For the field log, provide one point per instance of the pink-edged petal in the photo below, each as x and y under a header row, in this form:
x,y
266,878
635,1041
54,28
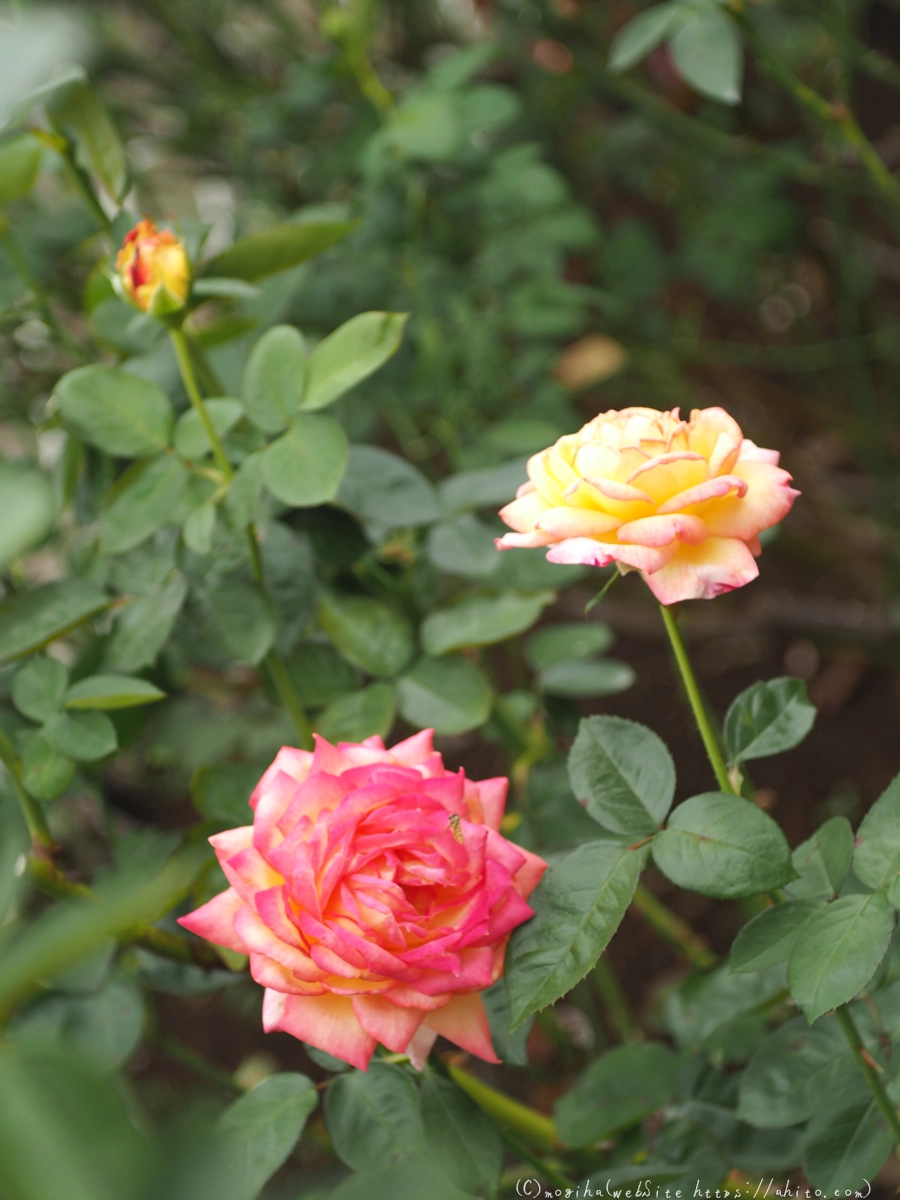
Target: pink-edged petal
x,y
665,460
523,541
259,938
293,762
569,522
329,1023
420,1046
601,554
408,997
523,514
525,488
249,873
706,427
464,1022
666,474
581,552
767,501
662,531
704,572
626,493
710,489
231,841
272,1009
750,452
529,875
215,921
493,799
275,977
386,1022
724,454
414,750
327,758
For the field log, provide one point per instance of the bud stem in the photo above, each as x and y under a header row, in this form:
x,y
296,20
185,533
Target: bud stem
x,y
189,378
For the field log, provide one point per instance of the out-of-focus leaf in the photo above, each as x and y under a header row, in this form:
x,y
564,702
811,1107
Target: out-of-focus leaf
x,y
876,859
623,773
482,619
426,127
26,499
105,1026
362,714
221,792
353,1101
38,688
607,677
116,411
173,978
567,642
618,1090
190,437
46,771
386,490
707,52
369,633
305,466
350,354
510,1047
239,616
487,488
642,34
20,159
407,1181
463,545
112,691
290,571
276,249
29,620
142,500
449,695
848,1140
578,906
143,626
274,378
32,55
722,846
462,1142
258,1131
199,528
84,736
769,717
76,110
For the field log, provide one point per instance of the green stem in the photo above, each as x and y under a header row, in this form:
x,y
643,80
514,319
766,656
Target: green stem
x,y
696,701
274,664
83,184
31,809
533,1126
547,1170
614,1001
189,378
199,1064
672,929
876,1087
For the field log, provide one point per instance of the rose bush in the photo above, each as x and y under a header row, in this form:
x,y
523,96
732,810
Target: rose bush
x,y
370,915
683,502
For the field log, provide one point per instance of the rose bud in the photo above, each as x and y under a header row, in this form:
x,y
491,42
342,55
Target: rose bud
x,y
374,895
682,502
153,271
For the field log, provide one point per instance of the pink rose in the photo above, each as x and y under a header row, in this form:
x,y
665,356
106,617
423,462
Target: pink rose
x,y
683,502
374,896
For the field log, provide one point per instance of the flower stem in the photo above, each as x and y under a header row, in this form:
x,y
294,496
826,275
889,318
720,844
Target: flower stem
x,y
672,929
876,1087
189,378
41,837
614,1001
696,701
533,1126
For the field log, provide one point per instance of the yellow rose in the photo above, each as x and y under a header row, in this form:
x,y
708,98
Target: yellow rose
x,y
683,502
153,269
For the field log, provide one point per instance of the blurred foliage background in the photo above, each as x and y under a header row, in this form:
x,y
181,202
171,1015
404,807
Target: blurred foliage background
x,y
566,240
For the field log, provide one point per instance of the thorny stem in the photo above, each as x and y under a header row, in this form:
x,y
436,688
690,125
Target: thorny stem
x,y
672,929
876,1087
696,701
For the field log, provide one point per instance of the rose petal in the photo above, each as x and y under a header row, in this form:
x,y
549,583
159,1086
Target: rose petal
x,y
215,921
464,1022
386,1022
329,1023
663,530
702,572
577,522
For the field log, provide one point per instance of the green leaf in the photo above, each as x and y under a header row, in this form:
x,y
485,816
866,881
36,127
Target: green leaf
x,y
84,736
848,1140
258,1131
385,490
642,34
20,160
623,773
305,466
38,688
274,378
46,773
349,355
578,906
425,127
406,1181
373,1117
362,714
143,626
481,619
369,633
488,488
448,695
276,249
822,861
707,51
768,718
510,1047
876,860
607,677
29,620
723,846
77,111
290,573
190,437
118,412
839,952
199,528
566,642
112,691
320,673
721,1013
462,1142
617,1091
104,1026
769,938
141,501
30,496
463,545
221,792
239,616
